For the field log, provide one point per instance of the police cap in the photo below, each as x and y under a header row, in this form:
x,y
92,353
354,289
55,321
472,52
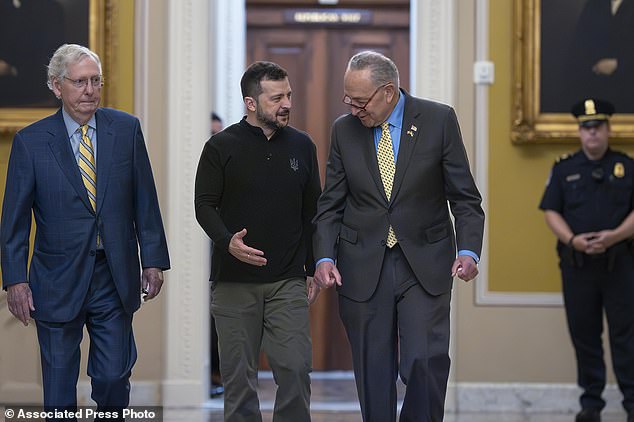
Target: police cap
x,y
592,112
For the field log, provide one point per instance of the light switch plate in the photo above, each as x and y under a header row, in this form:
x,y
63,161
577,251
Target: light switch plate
x,y
483,72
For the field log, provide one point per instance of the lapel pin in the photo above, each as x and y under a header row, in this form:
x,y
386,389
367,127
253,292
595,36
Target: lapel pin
x,y
413,128
410,133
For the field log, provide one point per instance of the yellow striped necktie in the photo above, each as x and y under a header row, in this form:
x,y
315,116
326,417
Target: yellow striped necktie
x,y
387,167
87,166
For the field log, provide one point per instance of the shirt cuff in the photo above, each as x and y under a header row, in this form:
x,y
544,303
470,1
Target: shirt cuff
x,y
473,255
332,261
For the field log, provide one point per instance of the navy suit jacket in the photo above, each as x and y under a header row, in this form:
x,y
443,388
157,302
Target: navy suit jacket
x,y
354,214
43,178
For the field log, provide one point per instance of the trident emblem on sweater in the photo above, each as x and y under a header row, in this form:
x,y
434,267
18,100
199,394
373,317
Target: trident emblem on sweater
x,y
294,164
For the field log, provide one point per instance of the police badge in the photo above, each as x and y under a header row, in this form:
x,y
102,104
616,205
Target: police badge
x,y
619,170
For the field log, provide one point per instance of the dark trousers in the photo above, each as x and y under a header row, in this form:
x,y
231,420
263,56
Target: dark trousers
x,y
401,318
213,346
111,355
589,290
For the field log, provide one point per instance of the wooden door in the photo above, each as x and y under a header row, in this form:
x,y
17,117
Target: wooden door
x,y
315,54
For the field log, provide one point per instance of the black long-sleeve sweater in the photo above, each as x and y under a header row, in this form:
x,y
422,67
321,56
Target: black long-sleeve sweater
x,y
268,186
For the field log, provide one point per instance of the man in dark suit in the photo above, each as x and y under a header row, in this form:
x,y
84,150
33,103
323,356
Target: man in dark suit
x,y
601,56
395,162
85,175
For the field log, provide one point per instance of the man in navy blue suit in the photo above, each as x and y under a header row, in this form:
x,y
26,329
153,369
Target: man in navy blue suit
x,y
85,175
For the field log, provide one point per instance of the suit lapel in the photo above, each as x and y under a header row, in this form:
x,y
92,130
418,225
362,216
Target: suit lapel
x,y
409,137
63,152
105,147
369,150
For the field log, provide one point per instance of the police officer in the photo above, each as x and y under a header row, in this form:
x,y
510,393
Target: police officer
x,y
588,204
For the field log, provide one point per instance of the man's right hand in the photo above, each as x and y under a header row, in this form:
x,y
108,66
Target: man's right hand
x,y
20,301
245,253
327,274
588,243
7,70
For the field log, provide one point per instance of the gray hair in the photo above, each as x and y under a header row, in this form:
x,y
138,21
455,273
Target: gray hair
x,y
66,55
382,69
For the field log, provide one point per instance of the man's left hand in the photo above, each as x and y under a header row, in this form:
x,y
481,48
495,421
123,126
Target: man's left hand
x,y
605,67
600,242
151,282
464,267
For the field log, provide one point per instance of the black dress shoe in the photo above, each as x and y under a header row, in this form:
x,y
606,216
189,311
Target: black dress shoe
x,y
589,415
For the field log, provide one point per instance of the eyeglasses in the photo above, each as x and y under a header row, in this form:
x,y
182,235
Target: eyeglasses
x,y
95,81
348,101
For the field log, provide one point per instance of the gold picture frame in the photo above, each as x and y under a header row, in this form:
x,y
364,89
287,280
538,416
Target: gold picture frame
x,y
102,40
530,123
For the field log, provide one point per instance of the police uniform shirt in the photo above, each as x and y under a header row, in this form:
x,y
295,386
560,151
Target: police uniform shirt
x,y
591,195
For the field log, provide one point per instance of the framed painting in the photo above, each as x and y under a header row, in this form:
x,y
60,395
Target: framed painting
x,y
30,32
565,51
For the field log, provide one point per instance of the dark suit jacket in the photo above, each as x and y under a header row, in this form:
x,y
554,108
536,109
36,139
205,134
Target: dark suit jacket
x,y
44,178
354,214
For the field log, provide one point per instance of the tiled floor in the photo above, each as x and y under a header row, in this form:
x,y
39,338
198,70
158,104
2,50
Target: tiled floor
x,y
176,415
335,400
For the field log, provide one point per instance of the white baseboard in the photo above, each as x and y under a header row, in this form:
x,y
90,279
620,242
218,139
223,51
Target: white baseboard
x,y
20,392
184,393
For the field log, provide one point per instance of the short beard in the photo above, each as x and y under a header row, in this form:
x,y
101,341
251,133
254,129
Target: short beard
x,y
267,121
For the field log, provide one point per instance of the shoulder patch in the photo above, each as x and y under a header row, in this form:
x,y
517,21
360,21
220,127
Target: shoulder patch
x,y
563,157
624,154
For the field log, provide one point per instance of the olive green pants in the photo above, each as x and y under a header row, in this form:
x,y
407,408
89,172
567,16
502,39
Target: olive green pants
x,y
273,317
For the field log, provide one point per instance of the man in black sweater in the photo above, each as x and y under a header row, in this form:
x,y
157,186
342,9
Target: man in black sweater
x,y
257,187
